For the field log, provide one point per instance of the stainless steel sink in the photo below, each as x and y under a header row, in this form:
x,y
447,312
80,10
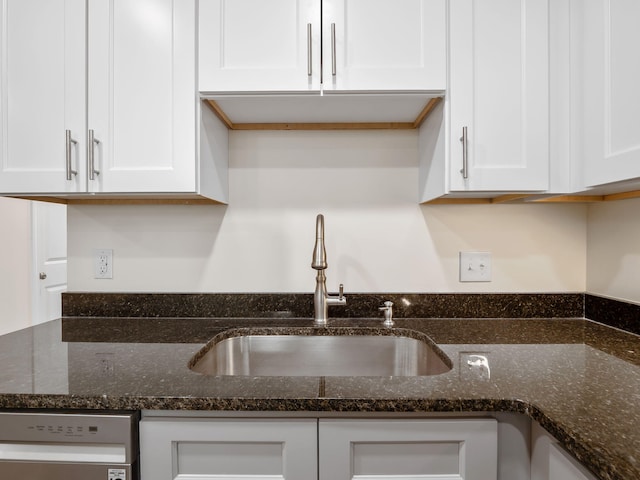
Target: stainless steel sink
x,y
320,355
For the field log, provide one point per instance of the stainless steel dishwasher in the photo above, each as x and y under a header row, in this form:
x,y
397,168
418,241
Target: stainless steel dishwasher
x,y
69,446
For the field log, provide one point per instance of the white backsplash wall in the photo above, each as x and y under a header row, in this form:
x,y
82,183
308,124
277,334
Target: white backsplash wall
x,y
613,261
378,238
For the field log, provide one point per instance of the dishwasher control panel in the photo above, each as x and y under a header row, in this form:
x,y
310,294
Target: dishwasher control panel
x,y
67,428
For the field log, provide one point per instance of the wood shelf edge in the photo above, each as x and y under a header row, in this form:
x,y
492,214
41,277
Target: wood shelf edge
x,y
622,196
422,116
125,200
570,199
532,199
458,201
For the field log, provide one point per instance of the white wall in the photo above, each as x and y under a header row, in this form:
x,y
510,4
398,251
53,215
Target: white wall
x,y
613,262
378,238
15,264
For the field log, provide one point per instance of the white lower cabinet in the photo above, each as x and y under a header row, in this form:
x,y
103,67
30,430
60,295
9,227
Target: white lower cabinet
x,y
207,449
549,461
328,449
431,449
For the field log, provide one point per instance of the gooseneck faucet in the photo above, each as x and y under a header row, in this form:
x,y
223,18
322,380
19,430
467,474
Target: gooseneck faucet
x,y
322,300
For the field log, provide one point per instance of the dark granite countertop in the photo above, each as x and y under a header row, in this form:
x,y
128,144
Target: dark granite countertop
x,y
578,378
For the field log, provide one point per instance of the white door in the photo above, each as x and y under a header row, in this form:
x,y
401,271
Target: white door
x,y
142,95
15,265
42,95
258,46
610,94
384,45
499,92
49,232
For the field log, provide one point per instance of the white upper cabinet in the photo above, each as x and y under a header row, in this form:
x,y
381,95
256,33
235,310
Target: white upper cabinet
x,y
42,95
100,96
384,45
493,133
367,45
258,46
608,68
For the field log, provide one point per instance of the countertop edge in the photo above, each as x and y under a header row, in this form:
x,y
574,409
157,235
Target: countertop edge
x,y
599,462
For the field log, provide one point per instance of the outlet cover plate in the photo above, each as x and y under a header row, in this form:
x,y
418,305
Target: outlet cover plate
x,y
103,263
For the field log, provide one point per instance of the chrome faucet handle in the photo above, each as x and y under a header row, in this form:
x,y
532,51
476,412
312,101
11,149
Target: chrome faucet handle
x,y
340,299
388,314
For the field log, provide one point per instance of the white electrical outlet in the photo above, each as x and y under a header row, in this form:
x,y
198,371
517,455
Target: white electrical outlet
x,y
475,266
103,263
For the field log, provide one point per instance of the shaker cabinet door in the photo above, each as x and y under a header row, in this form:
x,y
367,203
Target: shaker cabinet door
x,y
610,96
258,46
400,449
190,449
499,95
142,97
384,45
549,461
42,96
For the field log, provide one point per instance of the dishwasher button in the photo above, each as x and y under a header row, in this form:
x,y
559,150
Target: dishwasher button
x,y
117,474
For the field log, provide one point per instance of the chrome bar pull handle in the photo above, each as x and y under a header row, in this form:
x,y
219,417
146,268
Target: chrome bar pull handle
x,y
309,51
333,49
68,146
91,143
465,157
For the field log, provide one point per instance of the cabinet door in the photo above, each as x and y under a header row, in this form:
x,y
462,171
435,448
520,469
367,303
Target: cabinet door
x,y
384,45
208,449
418,449
42,95
142,96
257,46
610,95
549,461
499,90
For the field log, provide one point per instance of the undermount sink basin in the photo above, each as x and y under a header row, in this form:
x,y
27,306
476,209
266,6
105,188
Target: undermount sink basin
x,y
320,355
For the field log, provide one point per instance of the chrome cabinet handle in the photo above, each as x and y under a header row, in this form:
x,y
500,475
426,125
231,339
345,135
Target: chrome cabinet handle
x,y
333,49
68,142
42,276
465,158
309,51
91,142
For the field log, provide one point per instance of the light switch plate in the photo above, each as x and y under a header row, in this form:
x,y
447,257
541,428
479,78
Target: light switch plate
x,y
475,266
